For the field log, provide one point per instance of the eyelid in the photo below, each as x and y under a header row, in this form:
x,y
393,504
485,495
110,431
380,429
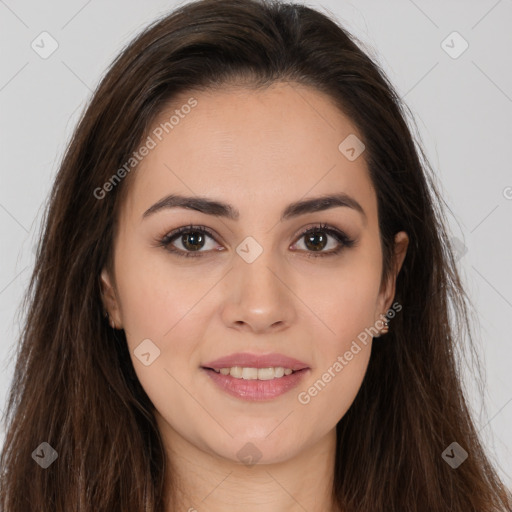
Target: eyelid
x,y
166,240
344,241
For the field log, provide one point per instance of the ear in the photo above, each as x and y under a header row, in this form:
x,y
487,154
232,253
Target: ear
x,y
109,298
388,292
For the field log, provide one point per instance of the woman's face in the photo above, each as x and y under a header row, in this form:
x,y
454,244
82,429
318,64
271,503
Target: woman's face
x,y
253,284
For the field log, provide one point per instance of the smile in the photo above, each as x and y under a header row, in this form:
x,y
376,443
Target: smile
x,y
247,384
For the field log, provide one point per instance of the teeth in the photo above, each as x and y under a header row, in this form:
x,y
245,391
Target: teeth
x,y
255,373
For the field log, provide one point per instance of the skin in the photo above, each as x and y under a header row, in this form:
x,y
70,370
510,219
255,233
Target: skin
x,y
259,151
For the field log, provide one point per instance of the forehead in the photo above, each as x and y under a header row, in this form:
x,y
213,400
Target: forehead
x,y
252,148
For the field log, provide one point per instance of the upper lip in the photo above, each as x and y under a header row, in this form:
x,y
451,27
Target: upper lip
x,y
247,360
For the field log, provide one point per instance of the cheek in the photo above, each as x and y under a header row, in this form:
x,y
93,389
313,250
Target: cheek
x,y
161,307
341,366
155,299
333,386
342,300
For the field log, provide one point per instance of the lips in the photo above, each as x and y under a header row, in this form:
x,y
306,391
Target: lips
x,y
248,360
256,390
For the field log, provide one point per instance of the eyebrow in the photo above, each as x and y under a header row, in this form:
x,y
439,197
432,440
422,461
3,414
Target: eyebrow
x,y
220,209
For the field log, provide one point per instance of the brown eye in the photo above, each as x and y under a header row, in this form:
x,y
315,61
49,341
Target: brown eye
x,y
191,238
316,241
317,238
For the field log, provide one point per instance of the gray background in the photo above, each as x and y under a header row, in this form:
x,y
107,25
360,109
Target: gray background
x,y
462,106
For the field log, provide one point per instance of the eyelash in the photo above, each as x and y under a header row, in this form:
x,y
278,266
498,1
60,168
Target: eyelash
x,y
342,238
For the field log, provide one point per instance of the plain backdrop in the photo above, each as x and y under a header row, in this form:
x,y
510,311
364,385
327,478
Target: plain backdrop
x,y
449,60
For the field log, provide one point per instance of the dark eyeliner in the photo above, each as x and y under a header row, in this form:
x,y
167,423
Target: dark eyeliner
x,y
343,240
165,242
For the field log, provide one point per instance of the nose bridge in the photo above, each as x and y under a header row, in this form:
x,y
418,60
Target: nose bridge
x,y
256,271
257,293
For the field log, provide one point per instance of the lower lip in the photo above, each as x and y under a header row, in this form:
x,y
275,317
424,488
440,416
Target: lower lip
x,y
256,390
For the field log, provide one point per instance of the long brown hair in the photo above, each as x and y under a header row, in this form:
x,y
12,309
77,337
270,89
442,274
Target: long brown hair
x,y
74,385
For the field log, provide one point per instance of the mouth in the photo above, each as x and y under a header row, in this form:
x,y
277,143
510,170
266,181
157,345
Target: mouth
x,y
255,384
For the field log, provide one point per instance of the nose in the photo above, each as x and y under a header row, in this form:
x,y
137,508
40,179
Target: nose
x,y
258,297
